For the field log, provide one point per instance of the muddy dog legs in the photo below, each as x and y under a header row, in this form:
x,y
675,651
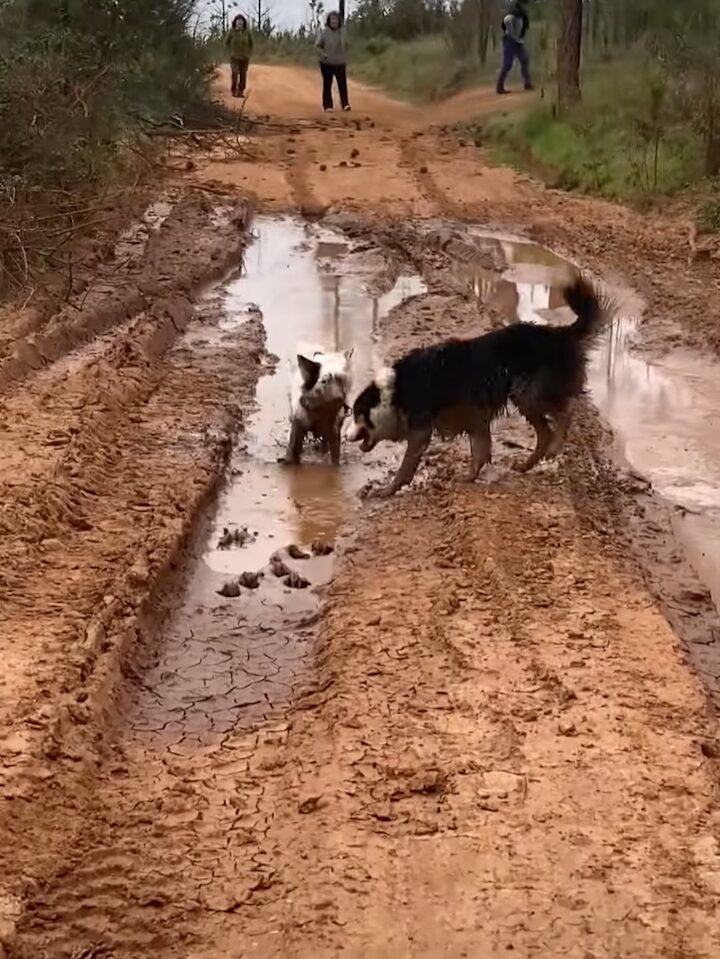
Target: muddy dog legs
x,y
480,449
543,438
418,442
562,425
549,442
293,452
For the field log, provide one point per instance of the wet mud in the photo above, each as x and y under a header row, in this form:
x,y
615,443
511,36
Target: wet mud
x,y
283,760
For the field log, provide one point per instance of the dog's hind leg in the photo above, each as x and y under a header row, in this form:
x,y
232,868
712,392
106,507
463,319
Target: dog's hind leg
x,y
480,448
543,434
418,442
295,445
562,425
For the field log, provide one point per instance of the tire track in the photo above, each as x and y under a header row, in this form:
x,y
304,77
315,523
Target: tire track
x,y
415,159
297,173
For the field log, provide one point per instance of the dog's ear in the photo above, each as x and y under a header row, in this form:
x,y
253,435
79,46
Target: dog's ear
x,y
309,370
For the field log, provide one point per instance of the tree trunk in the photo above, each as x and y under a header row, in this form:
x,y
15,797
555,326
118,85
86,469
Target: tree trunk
x,y
568,54
341,10
711,124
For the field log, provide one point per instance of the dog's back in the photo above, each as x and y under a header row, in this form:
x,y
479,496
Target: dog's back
x,y
522,362
461,386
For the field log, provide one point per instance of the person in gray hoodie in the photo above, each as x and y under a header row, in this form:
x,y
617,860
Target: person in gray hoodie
x,y
515,26
332,50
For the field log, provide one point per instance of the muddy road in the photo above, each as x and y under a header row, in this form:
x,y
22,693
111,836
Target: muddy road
x,y
470,721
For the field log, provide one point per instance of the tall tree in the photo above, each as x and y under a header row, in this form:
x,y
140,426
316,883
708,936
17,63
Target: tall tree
x,y
568,53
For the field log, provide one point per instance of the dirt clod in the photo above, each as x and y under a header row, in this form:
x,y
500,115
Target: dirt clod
x,y
226,540
235,537
567,728
278,567
296,581
231,589
321,548
309,805
295,552
250,580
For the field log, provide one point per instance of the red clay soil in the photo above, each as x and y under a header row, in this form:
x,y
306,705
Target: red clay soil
x,y
503,747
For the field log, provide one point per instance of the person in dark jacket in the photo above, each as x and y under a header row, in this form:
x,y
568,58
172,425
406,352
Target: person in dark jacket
x,y
332,51
239,42
515,26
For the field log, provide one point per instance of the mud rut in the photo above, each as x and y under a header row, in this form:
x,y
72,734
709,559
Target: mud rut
x,y
245,723
475,733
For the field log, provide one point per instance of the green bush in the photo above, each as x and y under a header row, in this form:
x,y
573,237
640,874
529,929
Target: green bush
x,y
626,140
707,217
421,69
76,78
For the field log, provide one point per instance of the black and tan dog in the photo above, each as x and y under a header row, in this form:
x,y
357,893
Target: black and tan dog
x,y
461,386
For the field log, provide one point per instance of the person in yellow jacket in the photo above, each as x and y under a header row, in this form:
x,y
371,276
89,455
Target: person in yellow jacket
x,y
239,42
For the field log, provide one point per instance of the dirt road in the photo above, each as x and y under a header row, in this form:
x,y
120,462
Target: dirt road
x,y
488,725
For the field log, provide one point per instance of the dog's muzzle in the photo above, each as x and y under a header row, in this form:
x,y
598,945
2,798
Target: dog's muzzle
x,y
359,433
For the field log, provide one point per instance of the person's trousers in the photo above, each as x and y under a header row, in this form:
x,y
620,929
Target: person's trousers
x,y
513,50
330,72
239,69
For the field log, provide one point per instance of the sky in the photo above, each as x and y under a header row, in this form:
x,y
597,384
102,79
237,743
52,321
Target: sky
x,y
286,14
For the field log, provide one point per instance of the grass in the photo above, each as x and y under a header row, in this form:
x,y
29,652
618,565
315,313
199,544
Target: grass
x,y
625,141
418,70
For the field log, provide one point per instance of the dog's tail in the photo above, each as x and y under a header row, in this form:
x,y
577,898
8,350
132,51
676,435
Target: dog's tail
x,y
587,305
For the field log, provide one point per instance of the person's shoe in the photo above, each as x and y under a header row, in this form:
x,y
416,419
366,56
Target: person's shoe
x,y
529,86
328,109
346,108
501,91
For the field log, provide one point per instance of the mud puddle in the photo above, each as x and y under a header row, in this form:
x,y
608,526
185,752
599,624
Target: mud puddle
x,y
229,662
661,411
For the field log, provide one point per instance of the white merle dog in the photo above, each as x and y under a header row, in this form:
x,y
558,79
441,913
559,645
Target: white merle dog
x,y
318,402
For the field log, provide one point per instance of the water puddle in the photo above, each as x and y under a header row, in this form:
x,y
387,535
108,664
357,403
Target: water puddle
x,y
230,662
660,410
311,288
233,662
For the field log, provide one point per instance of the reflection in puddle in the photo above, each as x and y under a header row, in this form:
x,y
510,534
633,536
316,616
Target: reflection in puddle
x,y
310,289
659,410
662,411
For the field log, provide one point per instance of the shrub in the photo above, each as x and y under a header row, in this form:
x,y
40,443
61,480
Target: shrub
x,y
76,77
